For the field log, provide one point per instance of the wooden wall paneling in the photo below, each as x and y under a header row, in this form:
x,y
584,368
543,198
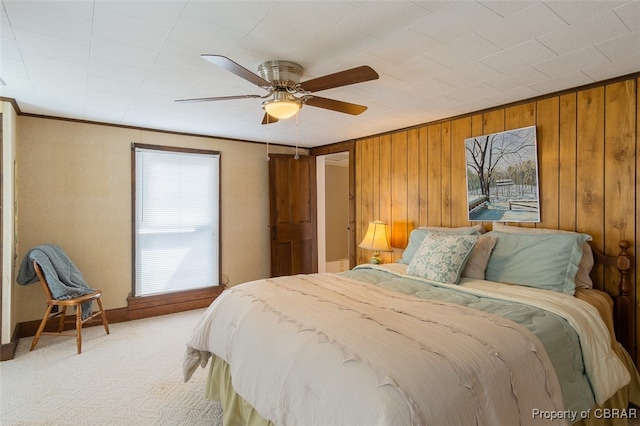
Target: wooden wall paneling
x,y
521,115
361,160
445,174
620,147
365,188
636,269
589,157
413,180
548,133
460,130
493,122
590,167
477,125
423,201
516,117
375,178
374,214
398,224
567,157
384,202
357,197
434,196
619,168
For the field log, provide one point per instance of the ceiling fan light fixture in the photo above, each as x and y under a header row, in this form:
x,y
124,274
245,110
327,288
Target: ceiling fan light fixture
x,y
283,105
282,80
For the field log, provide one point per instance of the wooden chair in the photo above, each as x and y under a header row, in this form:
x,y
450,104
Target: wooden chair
x,y
62,311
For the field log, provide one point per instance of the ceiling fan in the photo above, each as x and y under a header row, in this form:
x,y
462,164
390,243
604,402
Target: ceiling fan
x,y
281,79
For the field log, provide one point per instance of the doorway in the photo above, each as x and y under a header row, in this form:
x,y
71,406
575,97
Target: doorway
x,y
334,236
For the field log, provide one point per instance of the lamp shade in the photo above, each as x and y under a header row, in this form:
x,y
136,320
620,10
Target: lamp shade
x,y
376,239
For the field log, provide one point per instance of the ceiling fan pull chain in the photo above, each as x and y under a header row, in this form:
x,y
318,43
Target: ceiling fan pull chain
x,y
268,137
296,157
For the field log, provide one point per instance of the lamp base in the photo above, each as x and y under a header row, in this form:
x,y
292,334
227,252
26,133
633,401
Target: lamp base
x,y
376,258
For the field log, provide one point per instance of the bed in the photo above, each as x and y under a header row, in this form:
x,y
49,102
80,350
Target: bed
x,y
467,327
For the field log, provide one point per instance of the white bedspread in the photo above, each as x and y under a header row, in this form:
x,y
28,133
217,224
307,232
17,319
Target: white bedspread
x,y
604,369
300,351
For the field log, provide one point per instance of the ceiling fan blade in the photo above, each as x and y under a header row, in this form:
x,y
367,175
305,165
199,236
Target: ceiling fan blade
x,y
268,119
219,98
339,106
239,70
342,78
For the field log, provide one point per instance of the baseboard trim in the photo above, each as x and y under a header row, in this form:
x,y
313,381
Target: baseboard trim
x,y
138,308
8,350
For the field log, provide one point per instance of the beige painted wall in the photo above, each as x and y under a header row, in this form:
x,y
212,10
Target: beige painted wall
x,y
337,212
74,182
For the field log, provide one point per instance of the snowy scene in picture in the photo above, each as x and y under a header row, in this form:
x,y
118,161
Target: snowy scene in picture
x,y
502,177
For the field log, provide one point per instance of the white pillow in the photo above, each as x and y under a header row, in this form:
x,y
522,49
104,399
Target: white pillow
x,y
479,257
442,258
583,280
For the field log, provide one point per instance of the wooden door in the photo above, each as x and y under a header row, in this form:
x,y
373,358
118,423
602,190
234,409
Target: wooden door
x,y
292,193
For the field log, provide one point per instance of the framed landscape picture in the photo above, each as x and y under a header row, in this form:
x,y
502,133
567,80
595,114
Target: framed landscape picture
x,y
502,176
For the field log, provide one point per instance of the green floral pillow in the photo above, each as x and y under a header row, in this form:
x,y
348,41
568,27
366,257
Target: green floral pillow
x,y
417,235
442,258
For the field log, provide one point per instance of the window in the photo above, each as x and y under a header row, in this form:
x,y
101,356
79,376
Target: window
x,y
177,219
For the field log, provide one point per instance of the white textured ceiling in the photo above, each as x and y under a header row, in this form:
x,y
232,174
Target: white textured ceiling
x,y
125,62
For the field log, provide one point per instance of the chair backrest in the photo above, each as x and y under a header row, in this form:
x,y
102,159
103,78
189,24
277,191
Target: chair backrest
x,y
43,281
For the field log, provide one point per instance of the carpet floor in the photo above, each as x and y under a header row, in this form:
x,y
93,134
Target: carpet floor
x,y
131,376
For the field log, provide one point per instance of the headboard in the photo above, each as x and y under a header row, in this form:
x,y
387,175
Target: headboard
x,y
623,302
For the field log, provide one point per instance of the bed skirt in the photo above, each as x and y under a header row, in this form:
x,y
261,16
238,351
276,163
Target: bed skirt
x,y
236,410
239,412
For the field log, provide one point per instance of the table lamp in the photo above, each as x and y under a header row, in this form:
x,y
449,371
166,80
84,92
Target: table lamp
x,y
377,240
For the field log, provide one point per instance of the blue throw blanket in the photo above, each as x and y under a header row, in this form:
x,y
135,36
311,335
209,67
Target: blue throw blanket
x,y
63,277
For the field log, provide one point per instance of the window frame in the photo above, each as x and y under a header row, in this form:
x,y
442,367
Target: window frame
x,y
181,299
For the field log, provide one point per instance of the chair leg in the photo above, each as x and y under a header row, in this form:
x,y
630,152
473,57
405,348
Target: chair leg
x,y
104,316
63,315
79,327
42,324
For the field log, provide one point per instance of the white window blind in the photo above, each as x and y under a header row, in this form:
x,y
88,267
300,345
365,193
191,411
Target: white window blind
x,y
177,197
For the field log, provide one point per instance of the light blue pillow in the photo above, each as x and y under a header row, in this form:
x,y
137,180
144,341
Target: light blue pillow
x,y
417,235
547,261
415,239
442,258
